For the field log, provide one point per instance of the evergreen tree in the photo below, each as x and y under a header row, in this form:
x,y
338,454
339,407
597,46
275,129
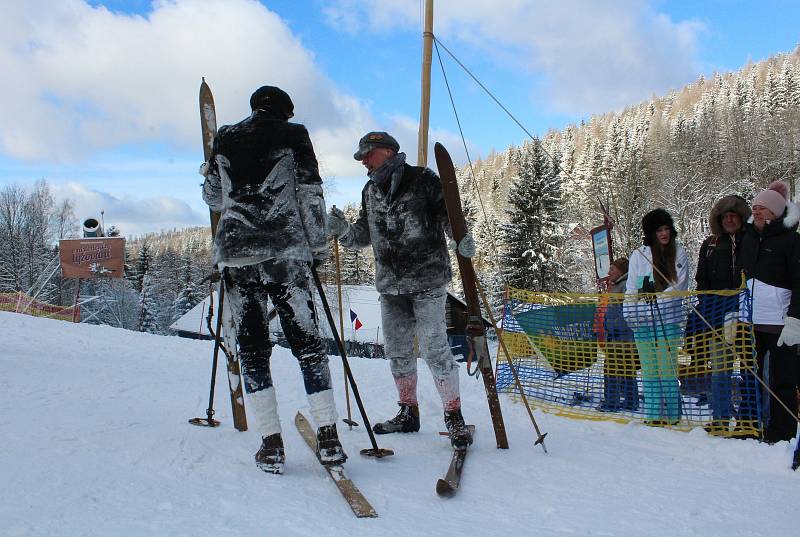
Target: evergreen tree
x,y
534,232
143,264
148,308
188,296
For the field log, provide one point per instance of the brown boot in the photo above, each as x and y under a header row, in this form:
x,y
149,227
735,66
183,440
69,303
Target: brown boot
x,y
406,421
460,437
270,457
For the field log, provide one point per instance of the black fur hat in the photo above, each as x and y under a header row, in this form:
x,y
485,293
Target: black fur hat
x,y
654,220
272,100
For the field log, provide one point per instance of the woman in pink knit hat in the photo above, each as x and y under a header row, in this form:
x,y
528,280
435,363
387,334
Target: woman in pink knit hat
x,y
771,261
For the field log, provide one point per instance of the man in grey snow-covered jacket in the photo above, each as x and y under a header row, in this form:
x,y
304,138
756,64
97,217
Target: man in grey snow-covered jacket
x,y
263,178
403,217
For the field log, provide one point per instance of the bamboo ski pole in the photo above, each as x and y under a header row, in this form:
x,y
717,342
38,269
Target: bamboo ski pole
x,y
349,421
540,436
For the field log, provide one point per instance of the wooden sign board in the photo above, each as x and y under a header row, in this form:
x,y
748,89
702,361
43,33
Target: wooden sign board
x,y
100,257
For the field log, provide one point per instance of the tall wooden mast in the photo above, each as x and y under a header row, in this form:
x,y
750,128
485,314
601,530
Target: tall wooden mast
x,y
425,108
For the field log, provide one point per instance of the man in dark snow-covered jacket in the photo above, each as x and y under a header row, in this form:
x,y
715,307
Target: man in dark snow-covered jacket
x,y
263,177
719,266
403,217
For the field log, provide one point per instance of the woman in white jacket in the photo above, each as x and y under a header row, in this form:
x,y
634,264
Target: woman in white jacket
x,y
659,266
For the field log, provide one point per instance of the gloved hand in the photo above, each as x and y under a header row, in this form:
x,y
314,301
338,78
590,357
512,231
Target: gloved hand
x,y
465,248
203,169
790,335
337,223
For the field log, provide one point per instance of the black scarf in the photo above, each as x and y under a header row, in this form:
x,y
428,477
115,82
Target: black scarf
x,y
389,174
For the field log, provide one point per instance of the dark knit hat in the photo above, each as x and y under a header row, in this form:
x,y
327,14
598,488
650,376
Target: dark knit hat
x,y
272,100
654,220
374,139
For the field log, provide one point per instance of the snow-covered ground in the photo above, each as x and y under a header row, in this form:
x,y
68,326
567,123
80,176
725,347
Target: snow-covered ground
x,y
95,442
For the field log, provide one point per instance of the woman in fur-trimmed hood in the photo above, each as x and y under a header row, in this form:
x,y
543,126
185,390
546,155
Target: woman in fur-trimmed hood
x,y
771,258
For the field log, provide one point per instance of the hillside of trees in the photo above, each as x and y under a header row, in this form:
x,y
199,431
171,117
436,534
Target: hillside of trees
x,y
529,207
732,133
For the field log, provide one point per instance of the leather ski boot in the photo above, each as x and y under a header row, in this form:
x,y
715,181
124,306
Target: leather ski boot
x,y
329,449
270,457
460,437
406,421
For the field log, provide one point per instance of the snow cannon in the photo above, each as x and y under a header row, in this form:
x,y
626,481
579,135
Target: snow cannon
x,y
92,228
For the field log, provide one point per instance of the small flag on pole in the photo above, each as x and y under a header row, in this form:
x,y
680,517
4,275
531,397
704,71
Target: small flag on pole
x,y
354,319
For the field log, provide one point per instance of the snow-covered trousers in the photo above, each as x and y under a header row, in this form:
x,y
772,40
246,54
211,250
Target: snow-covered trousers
x,y
421,314
248,290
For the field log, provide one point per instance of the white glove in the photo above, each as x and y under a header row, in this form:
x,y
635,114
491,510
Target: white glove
x,y
790,335
465,248
337,223
203,169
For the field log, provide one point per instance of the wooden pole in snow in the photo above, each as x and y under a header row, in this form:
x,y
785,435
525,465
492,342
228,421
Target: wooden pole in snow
x,y
425,108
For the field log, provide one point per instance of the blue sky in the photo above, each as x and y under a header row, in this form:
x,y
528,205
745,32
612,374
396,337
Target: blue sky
x,y
103,99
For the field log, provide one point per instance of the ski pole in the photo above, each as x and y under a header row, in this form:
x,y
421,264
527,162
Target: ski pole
x,y
650,296
540,437
375,451
209,421
349,421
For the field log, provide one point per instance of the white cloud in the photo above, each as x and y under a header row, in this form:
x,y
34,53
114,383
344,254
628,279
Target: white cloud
x,y
133,216
82,79
594,56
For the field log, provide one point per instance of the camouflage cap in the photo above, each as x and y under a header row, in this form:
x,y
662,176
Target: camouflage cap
x,y
374,139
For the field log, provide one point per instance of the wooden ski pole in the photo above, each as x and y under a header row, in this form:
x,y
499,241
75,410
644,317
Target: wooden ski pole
x,y
349,421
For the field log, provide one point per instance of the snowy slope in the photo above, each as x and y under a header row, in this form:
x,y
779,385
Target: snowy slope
x,y
95,442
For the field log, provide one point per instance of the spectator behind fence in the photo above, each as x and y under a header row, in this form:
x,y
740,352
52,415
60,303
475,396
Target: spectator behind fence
x,y
719,266
620,390
771,259
660,265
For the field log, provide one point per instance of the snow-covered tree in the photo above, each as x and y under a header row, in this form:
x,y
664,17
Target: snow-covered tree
x,y
148,307
534,232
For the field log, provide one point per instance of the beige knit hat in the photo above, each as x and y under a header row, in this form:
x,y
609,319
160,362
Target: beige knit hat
x,y
773,198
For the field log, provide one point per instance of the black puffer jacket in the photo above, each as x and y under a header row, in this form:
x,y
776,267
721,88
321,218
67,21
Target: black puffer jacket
x,y
264,179
719,265
771,260
407,233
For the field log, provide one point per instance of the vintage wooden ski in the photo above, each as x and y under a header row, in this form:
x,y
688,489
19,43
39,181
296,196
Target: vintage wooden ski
x,y
358,503
208,123
476,332
448,485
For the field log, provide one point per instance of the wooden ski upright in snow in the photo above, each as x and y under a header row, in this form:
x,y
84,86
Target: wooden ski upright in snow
x,y
476,332
208,123
358,503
